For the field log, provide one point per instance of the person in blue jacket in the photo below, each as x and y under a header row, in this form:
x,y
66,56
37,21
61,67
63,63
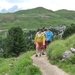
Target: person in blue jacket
x,y
49,36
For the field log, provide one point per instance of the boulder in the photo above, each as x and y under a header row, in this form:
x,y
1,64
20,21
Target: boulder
x,y
67,54
72,50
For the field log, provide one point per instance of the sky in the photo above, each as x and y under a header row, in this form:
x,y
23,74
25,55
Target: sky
x,y
48,4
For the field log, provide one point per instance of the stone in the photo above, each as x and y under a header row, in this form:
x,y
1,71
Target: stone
x,y
67,54
72,50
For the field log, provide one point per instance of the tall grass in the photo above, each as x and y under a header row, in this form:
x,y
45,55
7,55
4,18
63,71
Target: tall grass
x,y
70,42
55,51
21,65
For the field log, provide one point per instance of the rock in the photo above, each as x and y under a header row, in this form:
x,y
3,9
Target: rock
x,y
67,54
11,65
6,74
72,50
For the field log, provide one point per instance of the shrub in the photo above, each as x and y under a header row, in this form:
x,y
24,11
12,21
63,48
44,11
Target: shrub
x,y
56,49
1,55
32,70
70,42
71,60
69,31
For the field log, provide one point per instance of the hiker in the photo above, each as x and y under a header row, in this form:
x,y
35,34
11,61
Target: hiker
x,y
49,36
39,42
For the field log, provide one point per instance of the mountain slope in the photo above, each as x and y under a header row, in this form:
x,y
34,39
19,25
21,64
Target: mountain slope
x,y
36,18
69,14
38,10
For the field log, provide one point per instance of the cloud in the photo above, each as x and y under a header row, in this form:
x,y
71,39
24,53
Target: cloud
x,y
15,1
49,4
64,4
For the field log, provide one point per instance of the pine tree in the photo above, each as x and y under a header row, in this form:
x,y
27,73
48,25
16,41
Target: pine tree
x,y
15,41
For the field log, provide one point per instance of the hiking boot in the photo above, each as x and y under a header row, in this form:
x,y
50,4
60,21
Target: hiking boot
x,y
43,53
36,55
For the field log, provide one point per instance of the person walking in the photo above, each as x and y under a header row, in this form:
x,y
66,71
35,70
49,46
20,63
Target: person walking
x,y
49,37
39,42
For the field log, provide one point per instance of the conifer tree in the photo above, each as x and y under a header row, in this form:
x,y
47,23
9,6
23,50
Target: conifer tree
x,y
15,41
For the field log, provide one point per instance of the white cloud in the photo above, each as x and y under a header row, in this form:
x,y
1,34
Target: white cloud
x,y
49,4
14,1
64,4
5,5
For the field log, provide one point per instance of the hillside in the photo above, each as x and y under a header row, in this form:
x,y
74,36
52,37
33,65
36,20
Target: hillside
x,y
36,18
66,14
34,12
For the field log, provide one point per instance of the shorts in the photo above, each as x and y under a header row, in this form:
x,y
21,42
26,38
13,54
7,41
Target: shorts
x,y
39,46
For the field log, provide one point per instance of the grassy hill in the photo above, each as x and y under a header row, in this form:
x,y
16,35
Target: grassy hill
x,y
66,14
36,18
34,12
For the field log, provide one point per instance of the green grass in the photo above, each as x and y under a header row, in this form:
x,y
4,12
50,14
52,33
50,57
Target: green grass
x,y
22,65
70,42
55,51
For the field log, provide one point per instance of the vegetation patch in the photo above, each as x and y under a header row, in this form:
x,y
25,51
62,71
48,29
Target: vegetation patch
x,y
21,65
55,51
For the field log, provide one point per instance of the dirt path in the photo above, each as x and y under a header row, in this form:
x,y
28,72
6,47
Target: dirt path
x,y
45,67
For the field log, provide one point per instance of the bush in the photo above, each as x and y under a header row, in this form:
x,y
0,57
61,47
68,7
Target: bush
x,y
32,70
1,55
72,59
69,31
70,42
56,49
